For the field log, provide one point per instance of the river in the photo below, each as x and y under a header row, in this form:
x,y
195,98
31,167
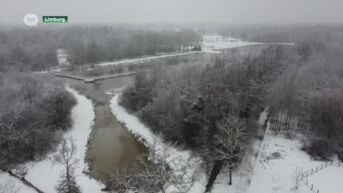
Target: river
x,y
111,145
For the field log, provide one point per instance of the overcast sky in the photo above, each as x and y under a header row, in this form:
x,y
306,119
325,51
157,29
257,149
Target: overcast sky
x,y
159,11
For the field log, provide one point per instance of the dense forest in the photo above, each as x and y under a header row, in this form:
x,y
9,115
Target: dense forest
x,y
212,108
33,113
35,49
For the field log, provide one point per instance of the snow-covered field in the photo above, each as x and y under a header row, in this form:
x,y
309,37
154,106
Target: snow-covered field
x,y
45,174
214,43
328,180
277,165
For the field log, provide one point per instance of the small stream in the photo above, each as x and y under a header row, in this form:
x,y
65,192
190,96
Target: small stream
x,y
111,145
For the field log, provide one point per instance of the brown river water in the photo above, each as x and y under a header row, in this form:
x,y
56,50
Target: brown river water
x,y
111,146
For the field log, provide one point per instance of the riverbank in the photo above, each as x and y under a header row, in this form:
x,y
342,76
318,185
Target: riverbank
x,y
179,158
110,145
82,115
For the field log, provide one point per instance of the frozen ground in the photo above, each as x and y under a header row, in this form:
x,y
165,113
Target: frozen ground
x,y
328,180
45,174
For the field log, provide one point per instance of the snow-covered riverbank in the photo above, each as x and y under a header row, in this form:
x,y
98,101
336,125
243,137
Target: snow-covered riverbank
x,y
176,158
273,171
45,174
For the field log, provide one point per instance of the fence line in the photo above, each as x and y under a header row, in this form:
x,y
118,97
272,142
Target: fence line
x,y
304,176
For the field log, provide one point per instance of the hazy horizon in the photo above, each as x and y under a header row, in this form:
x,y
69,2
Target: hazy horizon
x,y
178,11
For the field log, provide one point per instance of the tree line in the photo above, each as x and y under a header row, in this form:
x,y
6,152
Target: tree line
x,y
307,99
211,109
35,49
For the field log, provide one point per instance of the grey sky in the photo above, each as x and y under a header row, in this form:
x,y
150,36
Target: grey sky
x,y
157,11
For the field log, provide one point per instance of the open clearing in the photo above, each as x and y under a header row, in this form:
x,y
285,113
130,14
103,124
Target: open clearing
x,y
328,180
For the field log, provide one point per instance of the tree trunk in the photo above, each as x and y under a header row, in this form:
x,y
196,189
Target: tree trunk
x,y
218,165
230,176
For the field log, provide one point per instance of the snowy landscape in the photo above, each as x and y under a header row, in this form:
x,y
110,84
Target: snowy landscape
x,y
175,96
273,164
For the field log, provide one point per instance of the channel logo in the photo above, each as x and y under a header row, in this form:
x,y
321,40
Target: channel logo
x,y
31,19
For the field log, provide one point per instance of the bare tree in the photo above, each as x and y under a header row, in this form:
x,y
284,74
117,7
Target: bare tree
x,y
154,175
66,155
30,89
10,136
230,142
185,176
8,133
146,177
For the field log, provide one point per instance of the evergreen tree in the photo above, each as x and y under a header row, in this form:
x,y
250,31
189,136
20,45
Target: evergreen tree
x,y
68,184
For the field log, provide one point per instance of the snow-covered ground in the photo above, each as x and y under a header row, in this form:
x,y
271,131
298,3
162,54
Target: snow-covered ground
x,y
144,59
277,164
215,43
10,184
45,174
328,180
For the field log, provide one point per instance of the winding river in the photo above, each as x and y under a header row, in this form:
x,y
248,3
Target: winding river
x,y
111,145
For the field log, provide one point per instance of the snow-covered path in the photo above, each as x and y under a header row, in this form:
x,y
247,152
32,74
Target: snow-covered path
x,y
144,58
211,44
45,174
